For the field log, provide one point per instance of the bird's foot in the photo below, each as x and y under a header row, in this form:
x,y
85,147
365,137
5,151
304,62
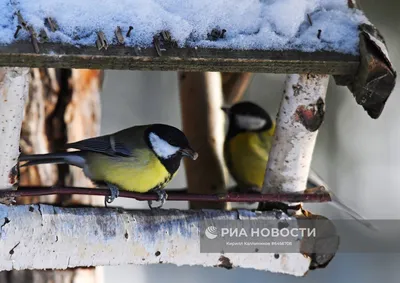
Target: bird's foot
x,y
162,197
114,193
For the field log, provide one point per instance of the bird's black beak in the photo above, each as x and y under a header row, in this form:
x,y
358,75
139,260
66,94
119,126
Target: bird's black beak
x,y
188,152
225,109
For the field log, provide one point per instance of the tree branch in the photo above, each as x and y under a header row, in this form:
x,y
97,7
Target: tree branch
x,y
300,116
319,195
48,237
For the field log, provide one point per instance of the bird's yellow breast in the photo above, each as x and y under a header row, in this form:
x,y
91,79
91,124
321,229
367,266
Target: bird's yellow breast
x,y
248,155
139,174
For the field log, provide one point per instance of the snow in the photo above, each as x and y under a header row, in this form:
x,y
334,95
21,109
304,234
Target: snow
x,y
250,24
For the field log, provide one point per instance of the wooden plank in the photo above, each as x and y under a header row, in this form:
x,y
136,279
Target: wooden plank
x,y
22,54
376,76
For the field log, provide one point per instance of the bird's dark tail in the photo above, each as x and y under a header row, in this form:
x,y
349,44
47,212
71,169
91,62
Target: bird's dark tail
x,y
76,158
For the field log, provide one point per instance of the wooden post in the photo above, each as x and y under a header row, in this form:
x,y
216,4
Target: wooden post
x,y
82,120
13,93
63,106
301,114
234,86
203,124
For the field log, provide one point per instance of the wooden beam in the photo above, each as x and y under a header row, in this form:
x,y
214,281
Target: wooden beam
x,y
376,76
21,54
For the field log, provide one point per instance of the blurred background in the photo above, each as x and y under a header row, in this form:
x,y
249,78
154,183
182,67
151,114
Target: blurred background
x,y
357,156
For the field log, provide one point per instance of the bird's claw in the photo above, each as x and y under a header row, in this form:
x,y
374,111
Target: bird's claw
x,y
114,193
162,197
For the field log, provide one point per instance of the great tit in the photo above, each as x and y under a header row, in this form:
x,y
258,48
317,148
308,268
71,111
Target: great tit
x,y
139,159
247,143
247,146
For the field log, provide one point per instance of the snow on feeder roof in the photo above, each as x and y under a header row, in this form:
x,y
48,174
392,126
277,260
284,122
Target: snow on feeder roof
x,y
304,25
271,36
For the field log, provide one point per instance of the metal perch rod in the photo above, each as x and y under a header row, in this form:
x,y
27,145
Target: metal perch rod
x,y
175,195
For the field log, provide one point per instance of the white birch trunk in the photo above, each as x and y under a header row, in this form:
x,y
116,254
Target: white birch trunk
x,y
301,113
14,86
47,237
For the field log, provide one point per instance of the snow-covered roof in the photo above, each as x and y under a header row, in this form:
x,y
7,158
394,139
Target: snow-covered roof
x,y
303,25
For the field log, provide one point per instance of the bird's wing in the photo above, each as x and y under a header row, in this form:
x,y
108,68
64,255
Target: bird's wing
x,y
105,144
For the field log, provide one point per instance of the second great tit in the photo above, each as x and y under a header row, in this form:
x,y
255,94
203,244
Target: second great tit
x,y
247,143
246,149
137,159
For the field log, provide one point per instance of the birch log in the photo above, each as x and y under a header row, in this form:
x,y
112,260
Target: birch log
x,y
301,114
203,123
43,236
13,93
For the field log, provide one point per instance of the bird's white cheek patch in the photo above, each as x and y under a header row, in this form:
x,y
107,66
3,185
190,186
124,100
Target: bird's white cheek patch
x,y
162,148
249,122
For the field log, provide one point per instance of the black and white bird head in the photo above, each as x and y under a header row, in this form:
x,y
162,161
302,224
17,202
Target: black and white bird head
x,y
168,142
247,117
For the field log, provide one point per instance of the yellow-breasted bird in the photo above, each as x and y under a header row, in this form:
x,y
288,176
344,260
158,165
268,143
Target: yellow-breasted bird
x,y
246,149
247,143
138,159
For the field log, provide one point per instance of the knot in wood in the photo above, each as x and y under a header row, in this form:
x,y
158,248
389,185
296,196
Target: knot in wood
x,y
312,115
